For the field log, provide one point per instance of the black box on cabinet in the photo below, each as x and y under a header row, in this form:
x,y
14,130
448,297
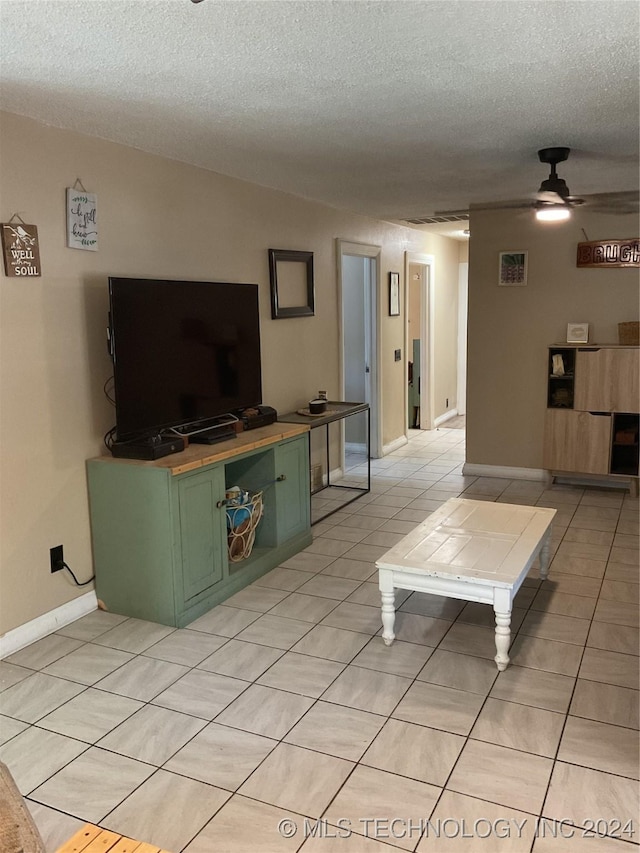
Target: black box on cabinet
x,y
258,416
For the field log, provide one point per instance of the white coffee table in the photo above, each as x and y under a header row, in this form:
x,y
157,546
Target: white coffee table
x,y
472,550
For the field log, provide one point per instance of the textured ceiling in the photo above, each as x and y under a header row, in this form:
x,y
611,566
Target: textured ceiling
x,y
392,109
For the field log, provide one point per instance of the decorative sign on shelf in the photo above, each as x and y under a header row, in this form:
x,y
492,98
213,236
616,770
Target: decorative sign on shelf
x,y
20,249
609,253
82,219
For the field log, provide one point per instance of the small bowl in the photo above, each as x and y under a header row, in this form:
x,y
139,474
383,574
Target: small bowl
x,y
317,407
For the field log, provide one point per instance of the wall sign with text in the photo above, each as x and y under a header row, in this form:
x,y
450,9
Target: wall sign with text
x,y
609,253
82,220
20,249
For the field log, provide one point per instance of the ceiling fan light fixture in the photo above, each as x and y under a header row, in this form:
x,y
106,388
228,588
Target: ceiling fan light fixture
x,y
553,212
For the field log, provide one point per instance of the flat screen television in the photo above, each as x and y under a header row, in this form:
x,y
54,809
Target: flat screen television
x,y
184,352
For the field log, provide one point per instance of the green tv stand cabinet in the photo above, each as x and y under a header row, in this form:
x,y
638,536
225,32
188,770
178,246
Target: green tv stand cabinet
x,y
159,530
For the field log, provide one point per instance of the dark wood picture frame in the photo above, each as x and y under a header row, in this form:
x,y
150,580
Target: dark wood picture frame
x,y
286,256
394,294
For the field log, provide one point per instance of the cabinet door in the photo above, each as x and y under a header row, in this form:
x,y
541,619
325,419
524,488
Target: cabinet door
x,y
293,496
579,442
202,531
607,380
132,537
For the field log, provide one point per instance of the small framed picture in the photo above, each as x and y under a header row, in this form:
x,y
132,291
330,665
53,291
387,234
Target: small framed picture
x,y
512,269
578,333
394,294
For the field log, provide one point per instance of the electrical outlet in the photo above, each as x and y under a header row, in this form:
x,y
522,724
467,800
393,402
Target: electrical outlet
x,y
57,558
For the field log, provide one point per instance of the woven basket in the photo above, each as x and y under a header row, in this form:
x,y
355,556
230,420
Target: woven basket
x,y
242,522
628,334
18,831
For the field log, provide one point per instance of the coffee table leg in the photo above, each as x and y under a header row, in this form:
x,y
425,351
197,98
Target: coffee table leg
x,y
388,617
545,552
503,637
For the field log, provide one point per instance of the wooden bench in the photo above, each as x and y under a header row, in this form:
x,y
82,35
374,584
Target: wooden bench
x,y
92,839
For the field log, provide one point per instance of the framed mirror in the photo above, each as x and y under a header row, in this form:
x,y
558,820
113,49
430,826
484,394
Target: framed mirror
x,y
292,287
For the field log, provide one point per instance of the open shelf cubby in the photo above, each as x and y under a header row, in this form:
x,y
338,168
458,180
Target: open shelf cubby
x,y
624,447
561,384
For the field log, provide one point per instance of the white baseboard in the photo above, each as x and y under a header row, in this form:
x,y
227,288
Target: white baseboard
x,y
355,447
46,624
540,475
395,445
444,418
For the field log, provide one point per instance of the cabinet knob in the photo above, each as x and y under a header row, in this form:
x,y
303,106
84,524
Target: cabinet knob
x,y
220,504
281,478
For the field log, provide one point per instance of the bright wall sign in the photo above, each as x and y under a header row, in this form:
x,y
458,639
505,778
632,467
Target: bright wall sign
x,y
82,220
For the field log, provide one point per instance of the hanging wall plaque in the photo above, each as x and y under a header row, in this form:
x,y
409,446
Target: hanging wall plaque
x,y
609,253
20,249
82,220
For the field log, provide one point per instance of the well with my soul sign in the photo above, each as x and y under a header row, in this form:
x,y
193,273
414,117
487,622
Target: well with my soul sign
x,y
20,249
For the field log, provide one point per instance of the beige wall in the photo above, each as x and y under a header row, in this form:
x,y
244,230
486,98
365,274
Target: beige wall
x,y
156,218
446,330
511,327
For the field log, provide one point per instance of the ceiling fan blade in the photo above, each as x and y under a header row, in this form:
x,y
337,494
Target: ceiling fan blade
x,y
501,205
550,197
623,203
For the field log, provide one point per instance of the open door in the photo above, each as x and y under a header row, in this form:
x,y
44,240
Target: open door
x,y
419,338
358,275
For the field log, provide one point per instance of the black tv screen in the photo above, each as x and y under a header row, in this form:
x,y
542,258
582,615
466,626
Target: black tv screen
x,y
183,352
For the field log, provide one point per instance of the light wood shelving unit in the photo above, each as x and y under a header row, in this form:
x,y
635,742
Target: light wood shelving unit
x,y
593,404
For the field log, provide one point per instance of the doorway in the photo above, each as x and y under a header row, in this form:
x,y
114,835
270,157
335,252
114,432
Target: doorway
x,y
419,340
463,309
358,274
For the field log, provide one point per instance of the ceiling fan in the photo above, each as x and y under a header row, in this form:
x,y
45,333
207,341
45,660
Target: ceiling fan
x,y
553,200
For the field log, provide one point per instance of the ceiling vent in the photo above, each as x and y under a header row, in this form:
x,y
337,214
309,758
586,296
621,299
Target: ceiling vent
x,y
442,216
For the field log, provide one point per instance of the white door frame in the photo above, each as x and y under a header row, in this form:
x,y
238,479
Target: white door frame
x,y
364,250
463,310
427,338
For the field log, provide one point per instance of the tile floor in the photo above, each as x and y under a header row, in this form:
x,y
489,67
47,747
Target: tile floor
x,y
283,703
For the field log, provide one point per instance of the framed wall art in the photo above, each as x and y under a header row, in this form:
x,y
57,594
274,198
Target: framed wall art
x,y
394,294
292,285
512,269
82,219
578,333
20,248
